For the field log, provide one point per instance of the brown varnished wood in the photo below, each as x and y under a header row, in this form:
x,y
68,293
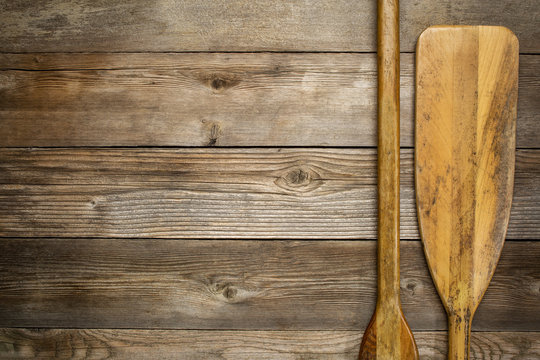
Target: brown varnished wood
x,y
196,193
217,99
465,153
388,336
408,348
239,285
238,344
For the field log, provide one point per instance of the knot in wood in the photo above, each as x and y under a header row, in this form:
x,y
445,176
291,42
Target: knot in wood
x,y
214,135
411,286
229,293
214,131
225,291
299,179
93,203
219,82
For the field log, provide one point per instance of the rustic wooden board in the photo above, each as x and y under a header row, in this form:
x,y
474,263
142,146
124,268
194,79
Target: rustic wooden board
x,y
240,25
211,100
254,288
227,284
237,345
217,193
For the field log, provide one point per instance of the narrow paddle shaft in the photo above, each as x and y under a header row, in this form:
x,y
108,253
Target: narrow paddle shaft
x,y
388,336
459,336
388,321
388,155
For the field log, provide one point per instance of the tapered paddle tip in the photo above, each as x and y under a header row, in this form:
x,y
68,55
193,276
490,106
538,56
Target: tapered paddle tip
x,y
406,350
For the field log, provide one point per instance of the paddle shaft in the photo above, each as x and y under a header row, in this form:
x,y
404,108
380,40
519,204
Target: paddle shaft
x,y
388,321
388,152
388,336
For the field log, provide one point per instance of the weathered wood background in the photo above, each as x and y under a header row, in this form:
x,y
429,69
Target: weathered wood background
x,y
196,179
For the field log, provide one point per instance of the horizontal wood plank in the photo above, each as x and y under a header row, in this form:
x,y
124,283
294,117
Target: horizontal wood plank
x,y
217,193
238,345
241,285
211,100
240,25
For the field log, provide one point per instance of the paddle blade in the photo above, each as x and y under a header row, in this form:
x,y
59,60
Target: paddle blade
x,y
407,349
466,100
465,148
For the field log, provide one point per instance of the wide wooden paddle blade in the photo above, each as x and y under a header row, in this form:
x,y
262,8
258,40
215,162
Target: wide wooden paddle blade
x,y
466,100
407,346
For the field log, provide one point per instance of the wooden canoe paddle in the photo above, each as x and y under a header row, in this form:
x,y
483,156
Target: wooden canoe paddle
x,y
388,336
466,100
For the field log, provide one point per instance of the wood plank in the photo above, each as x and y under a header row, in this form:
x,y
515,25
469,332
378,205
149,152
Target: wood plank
x,y
211,100
240,285
217,193
237,345
240,25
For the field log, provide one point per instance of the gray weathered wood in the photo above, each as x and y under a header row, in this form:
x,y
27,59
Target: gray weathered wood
x,y
225,99
238,345
211,100
222,284
240,25
216,193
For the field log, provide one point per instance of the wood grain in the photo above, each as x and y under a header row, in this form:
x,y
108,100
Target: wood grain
x,y
241,285
388,335
253,289
217,193
466,103
240,25
238,345
211,100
